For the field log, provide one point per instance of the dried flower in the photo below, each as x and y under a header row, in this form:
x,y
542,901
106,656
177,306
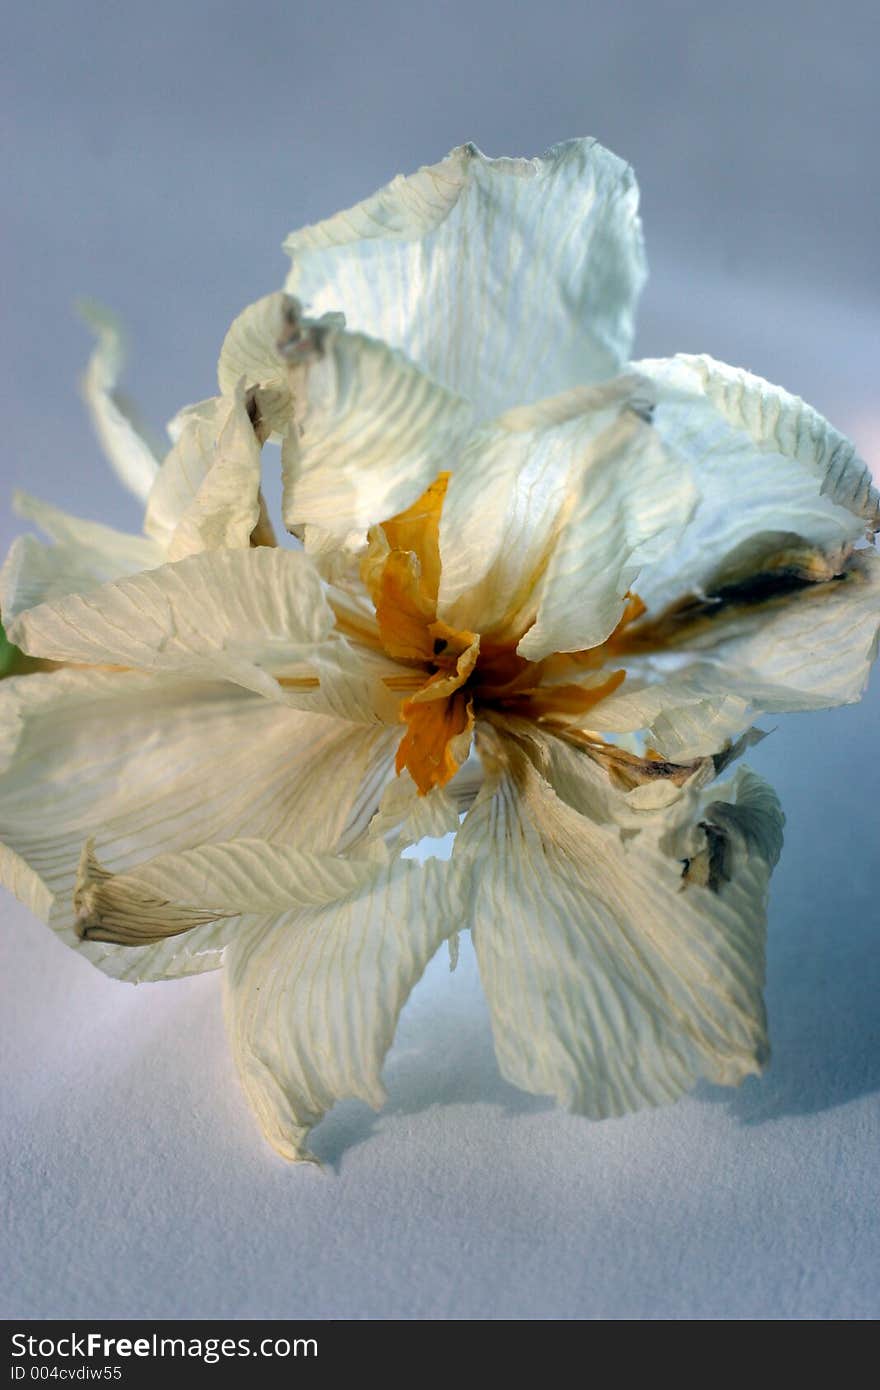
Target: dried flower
x,y
538,598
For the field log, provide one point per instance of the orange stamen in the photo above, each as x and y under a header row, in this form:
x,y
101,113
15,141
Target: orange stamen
x,y
456,671
427,749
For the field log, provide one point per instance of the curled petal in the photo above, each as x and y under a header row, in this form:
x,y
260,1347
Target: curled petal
x,y
506,279
250,354
126,446
437,741
174,893
811,647
207,493
775,480
132,760
550,515
370,432
405,816
110,908
628,505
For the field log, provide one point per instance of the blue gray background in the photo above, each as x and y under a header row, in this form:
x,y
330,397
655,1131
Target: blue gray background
x,y
154,157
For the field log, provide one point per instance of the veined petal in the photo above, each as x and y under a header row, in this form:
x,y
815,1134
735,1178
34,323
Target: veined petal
x,y
720,663
251,354
369,433
809,651
772,475
152,766
313,999
126,447
405,816
207,494
257,617
733,661
549,515
615,980
628,503
173,893
779,422
681,714
199,608
85,555
506,279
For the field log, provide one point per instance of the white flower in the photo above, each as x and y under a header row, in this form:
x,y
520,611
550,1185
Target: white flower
x,y
542,594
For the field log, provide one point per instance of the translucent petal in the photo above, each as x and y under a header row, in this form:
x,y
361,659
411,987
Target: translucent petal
x,y
207,494
313,999
251,353
550,514
250,349
810,649
125,445
506,279
771,475
618,973
151,766
84,556
257,617
370,432
405,816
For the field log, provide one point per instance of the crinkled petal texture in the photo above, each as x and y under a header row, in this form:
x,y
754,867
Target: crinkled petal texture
x,y
314,997
614,979
84,555
775,480
559,547
207,494
369,433
505,279
250,354
769,601
812,649
257,617
149,766
551,514
364,431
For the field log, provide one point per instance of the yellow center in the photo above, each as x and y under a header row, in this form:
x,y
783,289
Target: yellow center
x,y
455,673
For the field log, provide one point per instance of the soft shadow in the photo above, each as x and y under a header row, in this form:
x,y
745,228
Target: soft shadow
x,y
823,986
443,1058
823,964
822,997
826,1052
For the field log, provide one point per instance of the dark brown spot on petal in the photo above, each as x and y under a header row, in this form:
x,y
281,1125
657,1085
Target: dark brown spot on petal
x,y
626,770
300,338
780,577
710,867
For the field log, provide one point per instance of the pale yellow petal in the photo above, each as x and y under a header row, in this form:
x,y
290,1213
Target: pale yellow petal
x,y
313,999
151,766
505,279
207,494
370,432
617,973
84,555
